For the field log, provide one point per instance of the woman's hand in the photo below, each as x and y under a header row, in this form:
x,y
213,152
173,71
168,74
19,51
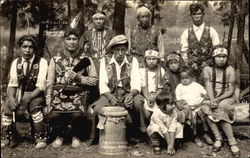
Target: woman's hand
x,y
214,103
151,100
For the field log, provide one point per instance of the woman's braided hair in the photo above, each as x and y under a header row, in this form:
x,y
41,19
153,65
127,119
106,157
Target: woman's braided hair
x,y
214,75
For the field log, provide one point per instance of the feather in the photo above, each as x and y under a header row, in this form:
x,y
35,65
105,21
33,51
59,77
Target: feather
x,y
83,64
76,20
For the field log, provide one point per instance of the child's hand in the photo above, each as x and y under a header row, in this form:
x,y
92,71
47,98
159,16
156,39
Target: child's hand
x,y
151,100
169,108
180,104
214,103
205,96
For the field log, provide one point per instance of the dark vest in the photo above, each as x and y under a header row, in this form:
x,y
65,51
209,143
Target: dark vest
x,y
125,73
199,51
73,96
63,63
29,80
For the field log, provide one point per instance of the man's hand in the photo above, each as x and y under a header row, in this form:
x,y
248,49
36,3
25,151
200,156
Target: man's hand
x,y
48,99
111,98
25,103
12,103
129,101
74,76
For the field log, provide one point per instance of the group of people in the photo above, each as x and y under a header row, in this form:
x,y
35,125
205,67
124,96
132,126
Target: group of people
x,y
161,91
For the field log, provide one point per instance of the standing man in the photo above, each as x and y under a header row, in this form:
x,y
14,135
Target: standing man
x,y
69,73
120,83
145,36
25,92
197,41
95,44
96,39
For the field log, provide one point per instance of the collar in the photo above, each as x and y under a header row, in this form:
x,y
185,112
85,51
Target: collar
x,y
31,59
197,28
114,61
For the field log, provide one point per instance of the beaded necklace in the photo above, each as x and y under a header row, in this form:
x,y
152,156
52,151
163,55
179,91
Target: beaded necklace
x,y
157,78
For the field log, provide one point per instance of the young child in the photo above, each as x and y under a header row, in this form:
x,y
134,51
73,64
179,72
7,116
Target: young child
x,y
190,94
173,65
164,124
152,80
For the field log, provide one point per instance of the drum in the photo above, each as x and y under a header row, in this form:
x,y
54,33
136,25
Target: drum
x,y
112,139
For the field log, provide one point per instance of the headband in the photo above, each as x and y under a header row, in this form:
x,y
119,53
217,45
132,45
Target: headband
x,y
219,51
173,57
143,10
152,53
99,16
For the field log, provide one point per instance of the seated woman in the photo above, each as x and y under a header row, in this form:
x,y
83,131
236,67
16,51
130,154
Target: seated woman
x,y
173,65
220,86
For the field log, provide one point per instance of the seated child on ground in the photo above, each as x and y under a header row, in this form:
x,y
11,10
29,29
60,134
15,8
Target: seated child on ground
x,y
190,95
164,124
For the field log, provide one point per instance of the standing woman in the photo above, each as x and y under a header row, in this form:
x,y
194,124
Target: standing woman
x,y
220,82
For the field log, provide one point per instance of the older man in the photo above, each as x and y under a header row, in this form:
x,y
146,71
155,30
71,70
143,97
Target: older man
x,y
95,43
120,82
96,39
145,36
198,40
25,92
70,73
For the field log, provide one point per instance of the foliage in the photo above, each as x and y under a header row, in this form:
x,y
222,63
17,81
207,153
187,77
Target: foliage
x,y
29,15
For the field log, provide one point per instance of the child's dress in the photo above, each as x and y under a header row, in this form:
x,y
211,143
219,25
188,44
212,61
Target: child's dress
x,y
162,123
152,81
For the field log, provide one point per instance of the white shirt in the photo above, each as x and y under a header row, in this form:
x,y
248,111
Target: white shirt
x,y
135,82
41,77
190,93
198,30
151,79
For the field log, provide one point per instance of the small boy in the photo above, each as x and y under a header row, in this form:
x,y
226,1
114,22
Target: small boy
x,y
164,124
190,94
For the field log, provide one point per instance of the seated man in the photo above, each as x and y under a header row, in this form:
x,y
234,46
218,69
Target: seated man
x,y
25,92
120,83
70,73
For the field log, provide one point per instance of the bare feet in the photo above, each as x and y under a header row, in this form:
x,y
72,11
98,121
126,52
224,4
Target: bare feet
x,y
171,150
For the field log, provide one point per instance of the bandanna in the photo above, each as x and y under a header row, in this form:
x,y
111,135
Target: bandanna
x,y
70,31
119,39
151,53
173,57
99,15
143,10
28,38
219,51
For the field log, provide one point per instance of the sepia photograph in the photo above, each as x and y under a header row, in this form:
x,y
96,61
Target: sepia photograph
x,y
124,78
